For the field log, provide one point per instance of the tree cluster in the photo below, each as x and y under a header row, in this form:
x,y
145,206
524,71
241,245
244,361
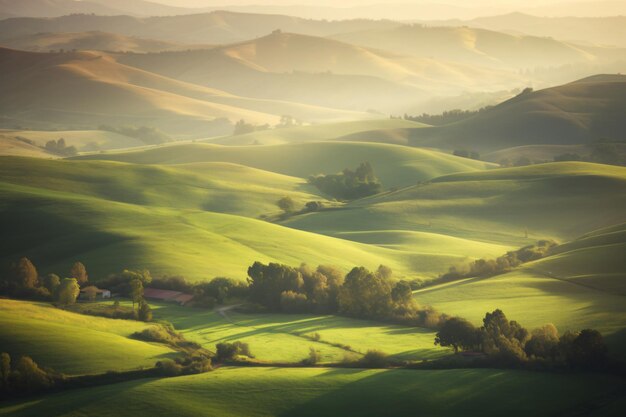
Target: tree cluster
x,y
23,377
146,134
349,184
500,265
508,343
21,280
60,148
447,117
361,293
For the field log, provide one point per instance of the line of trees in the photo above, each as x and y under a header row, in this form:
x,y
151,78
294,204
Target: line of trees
x,y
22,280
490,267
361,293
508,343
447,117
349,184
24,376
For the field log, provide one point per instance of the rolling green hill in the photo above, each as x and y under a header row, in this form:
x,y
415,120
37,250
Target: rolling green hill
x,y
73,343
394,165
83,140
231,392
115,216
557,200
570,114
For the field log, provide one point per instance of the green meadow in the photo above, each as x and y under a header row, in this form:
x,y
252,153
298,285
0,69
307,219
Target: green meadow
x,y
331,391
73,343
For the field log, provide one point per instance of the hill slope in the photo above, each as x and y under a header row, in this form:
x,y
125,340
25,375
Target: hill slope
x,y
558,200
91,88
394,165
574,113
249,392
73,343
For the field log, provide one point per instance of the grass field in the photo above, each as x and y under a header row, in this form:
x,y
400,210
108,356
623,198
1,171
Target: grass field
x,y
73,343
81,139
580,286
282,338
396,166
231,392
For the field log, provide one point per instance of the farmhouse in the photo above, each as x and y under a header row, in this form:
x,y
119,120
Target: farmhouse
x,y
167,295
92,292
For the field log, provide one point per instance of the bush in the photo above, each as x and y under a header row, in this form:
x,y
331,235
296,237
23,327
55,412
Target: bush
x,y
374,359
168,367
313,358
229,351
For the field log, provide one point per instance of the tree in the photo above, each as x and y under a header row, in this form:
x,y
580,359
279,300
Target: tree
x,y
145,312
287,205
24,274
543,342
52,282
90,292
268,282
588,350
68,291
79,272
365,294
458,333
293,302
5,369
503,336
30,378
241,128
136,291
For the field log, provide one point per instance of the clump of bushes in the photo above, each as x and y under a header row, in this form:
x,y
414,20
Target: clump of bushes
x,y
349,184
165,333
188,365
313,358
230,351
374,359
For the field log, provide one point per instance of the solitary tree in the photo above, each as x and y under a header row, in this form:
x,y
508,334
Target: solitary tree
x,y
136,291
5,369
68,291
79,272
24,274
287,204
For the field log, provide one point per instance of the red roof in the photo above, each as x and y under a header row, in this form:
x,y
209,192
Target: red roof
x,y
167,295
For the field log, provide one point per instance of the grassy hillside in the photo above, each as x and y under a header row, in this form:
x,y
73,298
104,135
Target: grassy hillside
x,y
247,392
83,140
394,165
321,71
595,260
121,222
210,186
570,114
91,88
12,146
282,337
557,200
313,133
72,343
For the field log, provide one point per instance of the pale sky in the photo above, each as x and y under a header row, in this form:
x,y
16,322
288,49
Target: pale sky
x,y
348,3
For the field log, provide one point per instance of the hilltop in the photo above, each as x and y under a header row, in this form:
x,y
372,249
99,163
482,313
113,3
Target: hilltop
x,y
91,88
91,40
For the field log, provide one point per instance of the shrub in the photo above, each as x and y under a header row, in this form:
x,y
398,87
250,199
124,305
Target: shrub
x,y
168,367
313,358
374,359
229,351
